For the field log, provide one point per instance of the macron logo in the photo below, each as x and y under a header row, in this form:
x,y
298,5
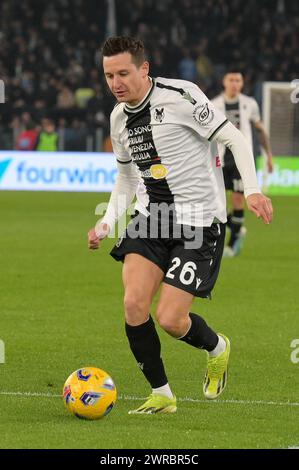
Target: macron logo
x,y
3,167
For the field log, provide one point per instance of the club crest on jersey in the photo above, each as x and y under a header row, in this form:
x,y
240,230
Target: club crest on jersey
x,y
159,114
203,114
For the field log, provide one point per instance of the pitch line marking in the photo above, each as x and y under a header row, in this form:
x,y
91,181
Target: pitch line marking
x,y
182,400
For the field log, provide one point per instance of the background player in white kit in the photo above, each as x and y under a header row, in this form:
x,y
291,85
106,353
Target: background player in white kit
x,y
242,111
175,161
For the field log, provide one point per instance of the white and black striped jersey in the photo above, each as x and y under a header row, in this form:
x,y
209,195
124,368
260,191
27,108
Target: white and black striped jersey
x,y
169,138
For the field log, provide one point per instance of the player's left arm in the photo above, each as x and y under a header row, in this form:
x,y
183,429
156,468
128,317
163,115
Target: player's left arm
x,y
198,113
257,202
265,143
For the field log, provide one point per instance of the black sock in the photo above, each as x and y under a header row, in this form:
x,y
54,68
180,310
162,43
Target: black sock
x,y
236,221
146,347
200,335
229,221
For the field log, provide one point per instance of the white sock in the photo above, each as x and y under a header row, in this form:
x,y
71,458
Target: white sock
x,y
165,390
220,348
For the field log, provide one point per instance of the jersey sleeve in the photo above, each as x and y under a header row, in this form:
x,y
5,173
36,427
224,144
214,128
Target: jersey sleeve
x,y
119,150
126,182
255,112
121,197
201,114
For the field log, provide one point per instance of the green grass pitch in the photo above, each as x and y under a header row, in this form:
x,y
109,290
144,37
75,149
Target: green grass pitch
x,y
61,309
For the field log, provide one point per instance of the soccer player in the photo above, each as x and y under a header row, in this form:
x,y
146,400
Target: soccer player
x,y
164,134
243,112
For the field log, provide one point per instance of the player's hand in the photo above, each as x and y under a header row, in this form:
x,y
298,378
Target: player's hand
x,y
270,165
261,206
95,235
93,240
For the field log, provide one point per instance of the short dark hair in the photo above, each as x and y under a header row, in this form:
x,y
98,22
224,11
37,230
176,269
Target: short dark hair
x,y
233,69
119,44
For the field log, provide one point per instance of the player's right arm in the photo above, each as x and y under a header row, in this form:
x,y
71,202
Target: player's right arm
x,y
121,197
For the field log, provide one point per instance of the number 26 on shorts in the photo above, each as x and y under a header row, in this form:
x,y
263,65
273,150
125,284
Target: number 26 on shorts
x,y
187,272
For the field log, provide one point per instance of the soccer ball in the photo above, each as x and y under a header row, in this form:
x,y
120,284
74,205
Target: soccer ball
x,y
89,393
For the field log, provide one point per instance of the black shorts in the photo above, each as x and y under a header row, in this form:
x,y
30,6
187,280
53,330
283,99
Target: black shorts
x,y
192,269
232,177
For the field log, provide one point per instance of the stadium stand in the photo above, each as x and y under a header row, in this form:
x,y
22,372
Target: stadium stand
x,y
49,53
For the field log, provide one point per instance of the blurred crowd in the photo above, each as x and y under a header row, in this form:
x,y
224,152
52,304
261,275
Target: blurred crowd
x,y
49,55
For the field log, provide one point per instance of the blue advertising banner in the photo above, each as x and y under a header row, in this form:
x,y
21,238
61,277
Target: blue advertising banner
x,y
59,171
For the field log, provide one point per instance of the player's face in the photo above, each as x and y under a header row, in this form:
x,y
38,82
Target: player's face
x,y
233,83
126,80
